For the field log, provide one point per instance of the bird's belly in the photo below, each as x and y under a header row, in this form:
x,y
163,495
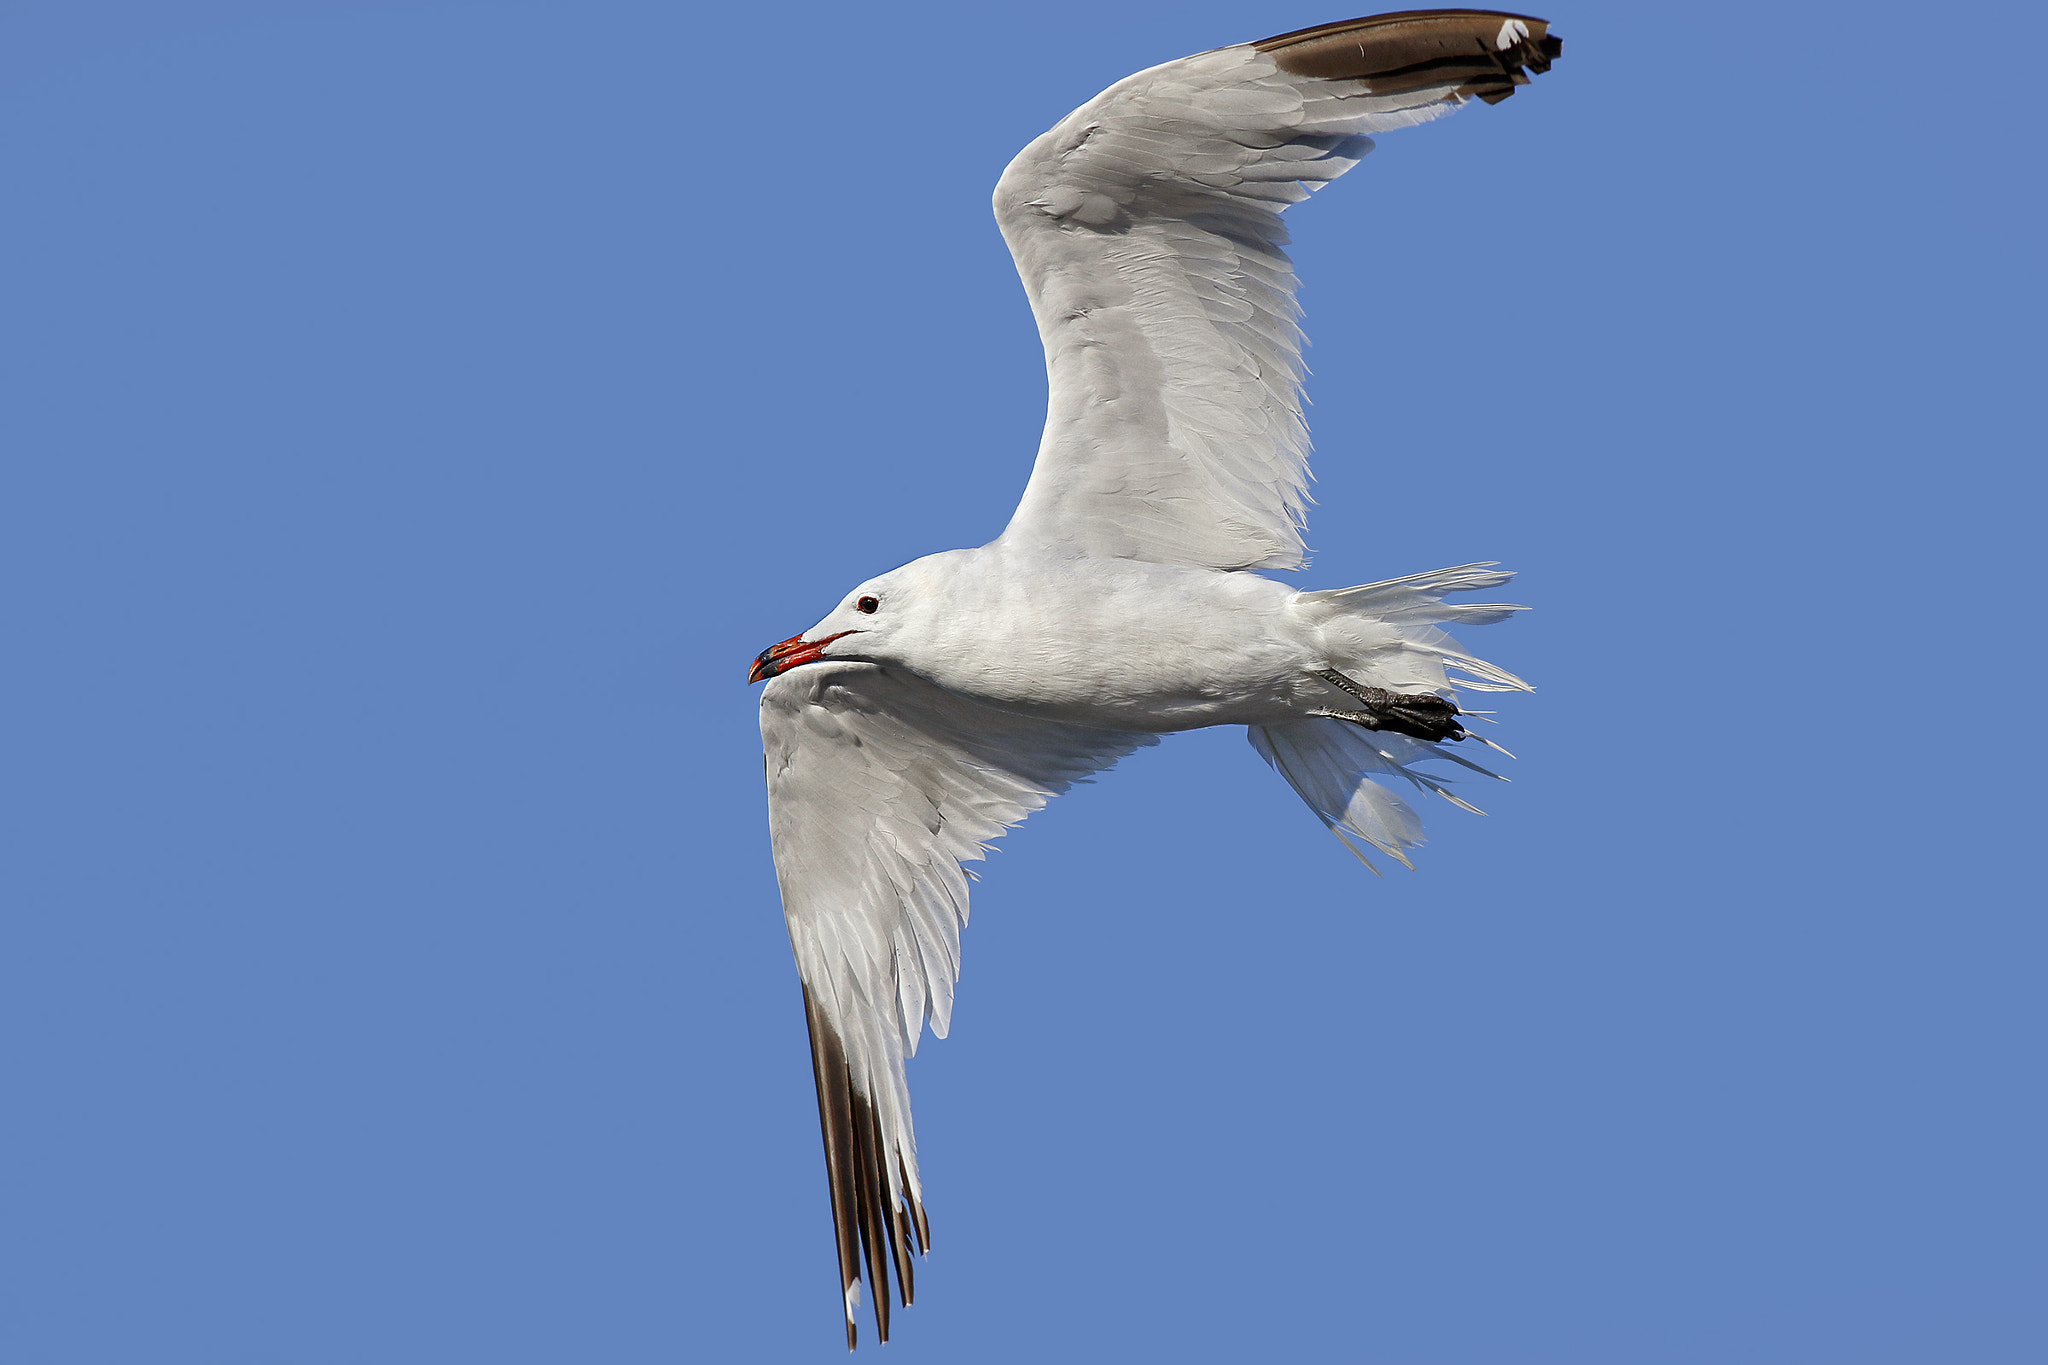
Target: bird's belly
x,y
1234,662
1114,700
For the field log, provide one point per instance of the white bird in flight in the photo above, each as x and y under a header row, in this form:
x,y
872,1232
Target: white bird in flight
x,y
940,703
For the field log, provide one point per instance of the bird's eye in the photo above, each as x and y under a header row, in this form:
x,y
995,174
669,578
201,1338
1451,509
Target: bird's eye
x,y
868,606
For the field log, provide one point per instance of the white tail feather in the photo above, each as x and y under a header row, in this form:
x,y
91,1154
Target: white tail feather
x,y
1329,764
1387,635
1390,634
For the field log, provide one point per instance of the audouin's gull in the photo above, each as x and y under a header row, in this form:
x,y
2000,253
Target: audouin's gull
x,y
941,702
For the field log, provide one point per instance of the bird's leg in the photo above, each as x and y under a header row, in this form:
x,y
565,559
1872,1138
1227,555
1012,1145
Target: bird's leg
x,y
1423,715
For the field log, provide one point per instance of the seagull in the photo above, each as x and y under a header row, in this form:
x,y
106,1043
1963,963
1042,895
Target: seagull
x,y
940,703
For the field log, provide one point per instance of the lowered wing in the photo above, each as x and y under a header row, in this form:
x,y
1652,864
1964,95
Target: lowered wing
x,y
880,786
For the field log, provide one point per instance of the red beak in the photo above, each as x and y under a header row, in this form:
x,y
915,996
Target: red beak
x,y
791,653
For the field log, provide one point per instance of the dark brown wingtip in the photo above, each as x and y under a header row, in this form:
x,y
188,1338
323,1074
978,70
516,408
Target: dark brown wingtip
x,y
868,1220
1415,49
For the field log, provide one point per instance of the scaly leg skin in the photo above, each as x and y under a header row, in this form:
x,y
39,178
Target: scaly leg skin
x,y
1422,715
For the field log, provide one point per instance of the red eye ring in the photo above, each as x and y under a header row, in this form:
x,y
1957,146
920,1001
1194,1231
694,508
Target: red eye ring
x,y
868,606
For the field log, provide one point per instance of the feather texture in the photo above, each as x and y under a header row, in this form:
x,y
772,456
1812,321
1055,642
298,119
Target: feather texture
x,y
1389,635
1146,228
879,787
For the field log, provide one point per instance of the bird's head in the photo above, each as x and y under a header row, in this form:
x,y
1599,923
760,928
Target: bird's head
x,y
865,625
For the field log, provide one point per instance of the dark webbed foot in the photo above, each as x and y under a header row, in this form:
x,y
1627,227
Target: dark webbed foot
x,y
1422,715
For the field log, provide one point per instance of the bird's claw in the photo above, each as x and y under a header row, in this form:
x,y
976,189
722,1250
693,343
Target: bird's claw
x,y
1420,715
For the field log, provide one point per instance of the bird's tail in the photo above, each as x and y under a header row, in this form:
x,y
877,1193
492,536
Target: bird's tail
x,y
1387,635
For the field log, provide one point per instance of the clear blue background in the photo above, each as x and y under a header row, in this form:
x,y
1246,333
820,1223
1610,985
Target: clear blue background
x,y
417,415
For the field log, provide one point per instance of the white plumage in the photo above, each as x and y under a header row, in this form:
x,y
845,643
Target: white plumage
x,y
1174,431
942,702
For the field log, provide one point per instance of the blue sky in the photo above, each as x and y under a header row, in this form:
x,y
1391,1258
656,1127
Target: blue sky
x,y
418,415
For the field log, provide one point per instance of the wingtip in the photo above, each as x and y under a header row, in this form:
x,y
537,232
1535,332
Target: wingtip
x,y
869,1221
1482,54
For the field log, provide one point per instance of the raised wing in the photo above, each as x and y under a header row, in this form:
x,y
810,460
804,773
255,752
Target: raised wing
x,y
1146,227
879,787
